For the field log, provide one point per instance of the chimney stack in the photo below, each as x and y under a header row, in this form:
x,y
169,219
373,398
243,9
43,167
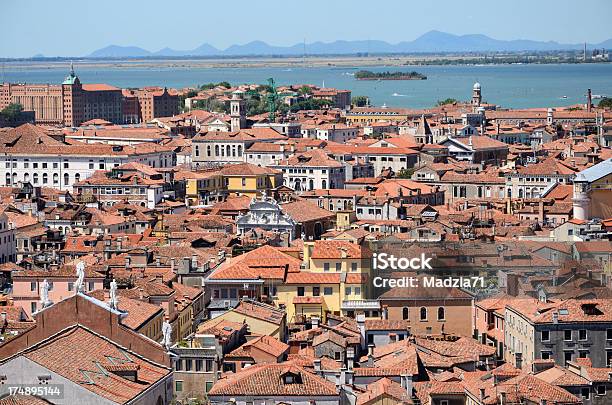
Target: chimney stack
x,y
350,357
361,325
317,366
406,382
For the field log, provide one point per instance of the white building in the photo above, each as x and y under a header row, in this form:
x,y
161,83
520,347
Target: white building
x,y
336,132
8,245
396,159
534,181
220,147
32,156
311,170
268,154
289,129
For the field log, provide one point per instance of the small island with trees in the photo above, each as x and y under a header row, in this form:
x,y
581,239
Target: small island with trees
x,y
368,75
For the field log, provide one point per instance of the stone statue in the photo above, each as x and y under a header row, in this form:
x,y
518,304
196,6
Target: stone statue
x,y
167,334
80,273
114,303
44,293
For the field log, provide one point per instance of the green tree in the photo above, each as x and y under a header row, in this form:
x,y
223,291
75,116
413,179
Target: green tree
x,y
191,93
359,101
208,86
11,112
447,101
310,104
218,106
305,90
605,102
405,173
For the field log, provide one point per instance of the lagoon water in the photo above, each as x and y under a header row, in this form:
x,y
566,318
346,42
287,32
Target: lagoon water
x,y
515,86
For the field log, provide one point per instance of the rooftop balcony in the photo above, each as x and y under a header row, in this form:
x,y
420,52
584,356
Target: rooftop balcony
x,y
360,304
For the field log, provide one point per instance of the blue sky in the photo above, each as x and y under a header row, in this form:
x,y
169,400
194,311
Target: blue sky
x,y
77,27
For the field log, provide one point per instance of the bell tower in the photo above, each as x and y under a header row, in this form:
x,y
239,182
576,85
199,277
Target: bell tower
x,y
237,111
476,95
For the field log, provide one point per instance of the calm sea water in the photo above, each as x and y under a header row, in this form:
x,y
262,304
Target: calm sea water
x,y
517,86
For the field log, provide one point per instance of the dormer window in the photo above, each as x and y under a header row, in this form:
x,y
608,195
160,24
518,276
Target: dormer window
x,y
291,378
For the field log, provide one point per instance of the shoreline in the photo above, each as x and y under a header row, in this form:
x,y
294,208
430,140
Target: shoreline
x,y
287,63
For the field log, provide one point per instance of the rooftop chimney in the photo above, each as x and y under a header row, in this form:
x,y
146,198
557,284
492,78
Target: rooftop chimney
x,y
361,325
371,355
317,366
350,357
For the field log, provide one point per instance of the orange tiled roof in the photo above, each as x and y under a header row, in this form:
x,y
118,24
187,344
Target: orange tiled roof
x,y
267,380
84,350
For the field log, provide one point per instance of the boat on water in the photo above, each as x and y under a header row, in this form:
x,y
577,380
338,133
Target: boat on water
x,y
563,97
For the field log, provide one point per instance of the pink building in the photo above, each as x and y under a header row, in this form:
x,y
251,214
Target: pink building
x,y
26,285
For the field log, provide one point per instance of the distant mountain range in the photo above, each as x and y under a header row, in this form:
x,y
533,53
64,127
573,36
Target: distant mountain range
x,y
431,42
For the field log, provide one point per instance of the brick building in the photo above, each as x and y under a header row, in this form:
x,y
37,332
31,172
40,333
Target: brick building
x,y
72,103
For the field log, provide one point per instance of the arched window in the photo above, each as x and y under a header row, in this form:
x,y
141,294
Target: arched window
x,y
35,178
77,177
423,314
441,314
405,313
227,150
208,150
216,150
45,178
324,184
8,179
66,179
26,177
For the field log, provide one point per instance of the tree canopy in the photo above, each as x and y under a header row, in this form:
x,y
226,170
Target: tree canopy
x,y
447,101
11,112
605,102
359,101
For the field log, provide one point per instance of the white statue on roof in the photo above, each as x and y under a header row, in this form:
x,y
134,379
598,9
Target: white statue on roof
x,y
44,293
114,302
167,334
80,273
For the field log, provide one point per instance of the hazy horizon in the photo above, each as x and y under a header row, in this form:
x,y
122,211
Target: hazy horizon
x,y
76,28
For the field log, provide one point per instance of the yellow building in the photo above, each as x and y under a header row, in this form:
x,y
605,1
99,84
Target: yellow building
x,y
369,115
203,187
250,180
333,278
